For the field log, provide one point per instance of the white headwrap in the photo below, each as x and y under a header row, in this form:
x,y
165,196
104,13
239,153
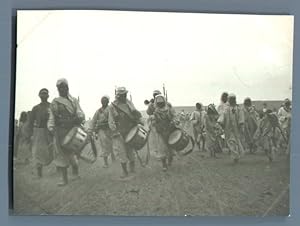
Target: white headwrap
x,y
61,81
159,97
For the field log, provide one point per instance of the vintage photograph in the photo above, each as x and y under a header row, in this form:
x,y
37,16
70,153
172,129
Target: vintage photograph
x,y
135,113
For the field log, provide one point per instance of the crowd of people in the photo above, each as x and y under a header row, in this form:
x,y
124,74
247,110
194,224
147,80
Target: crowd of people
x,y
241,128
40,133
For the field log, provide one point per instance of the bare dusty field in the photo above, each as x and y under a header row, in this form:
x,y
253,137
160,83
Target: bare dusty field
x,y
195,184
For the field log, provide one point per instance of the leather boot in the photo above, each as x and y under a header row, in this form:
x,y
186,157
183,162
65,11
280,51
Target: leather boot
x,y
113,157
124,170
203,145
64,174
164,164
105,162
75,172
132,167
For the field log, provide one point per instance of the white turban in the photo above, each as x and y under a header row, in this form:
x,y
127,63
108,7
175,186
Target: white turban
x,y
160,99
61,81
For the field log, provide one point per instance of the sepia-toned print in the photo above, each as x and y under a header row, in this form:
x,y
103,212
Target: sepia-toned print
x,y
131,113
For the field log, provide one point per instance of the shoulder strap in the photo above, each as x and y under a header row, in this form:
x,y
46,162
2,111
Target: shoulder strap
x,y
71,102
119,109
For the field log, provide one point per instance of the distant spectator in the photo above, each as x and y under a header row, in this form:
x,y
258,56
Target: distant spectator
x,y
265,107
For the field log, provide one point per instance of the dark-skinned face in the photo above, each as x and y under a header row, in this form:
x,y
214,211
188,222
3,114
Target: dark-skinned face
x,y
232,101
63,90
248,103
44,97
122,97
224,98
104,102
161,104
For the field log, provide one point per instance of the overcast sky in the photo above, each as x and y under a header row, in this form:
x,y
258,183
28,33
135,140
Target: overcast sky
x,y
197,56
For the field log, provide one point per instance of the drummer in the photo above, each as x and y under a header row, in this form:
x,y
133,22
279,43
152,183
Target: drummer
x,y
122,117
164,123
65,113
99,125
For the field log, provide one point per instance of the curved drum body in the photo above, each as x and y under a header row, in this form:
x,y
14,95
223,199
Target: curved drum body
x,y
137,137
179,141
75,140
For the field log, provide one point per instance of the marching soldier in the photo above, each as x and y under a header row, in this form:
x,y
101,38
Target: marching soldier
x,y
122,117
221,109
164,123
197,119
232,120
23,147
65,113
99,125
250,124
212,130
267,133
224,103
285,115
37,128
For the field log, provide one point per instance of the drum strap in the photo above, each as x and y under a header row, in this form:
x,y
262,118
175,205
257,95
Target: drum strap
x,y
128,116
93,146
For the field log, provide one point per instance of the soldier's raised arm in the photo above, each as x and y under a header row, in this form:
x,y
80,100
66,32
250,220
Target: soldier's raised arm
x,y
150,110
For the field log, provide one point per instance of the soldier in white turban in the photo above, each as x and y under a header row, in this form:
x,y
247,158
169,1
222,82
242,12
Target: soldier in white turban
x,y
164,123
65,113
99,125
122,117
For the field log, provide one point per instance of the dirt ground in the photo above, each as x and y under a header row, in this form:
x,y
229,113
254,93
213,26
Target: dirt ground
x,y
195,184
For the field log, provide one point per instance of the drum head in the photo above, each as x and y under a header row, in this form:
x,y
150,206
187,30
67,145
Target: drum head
x,y
175,136
131,134
69,136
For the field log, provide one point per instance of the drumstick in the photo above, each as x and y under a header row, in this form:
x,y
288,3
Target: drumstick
x,y
94,148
